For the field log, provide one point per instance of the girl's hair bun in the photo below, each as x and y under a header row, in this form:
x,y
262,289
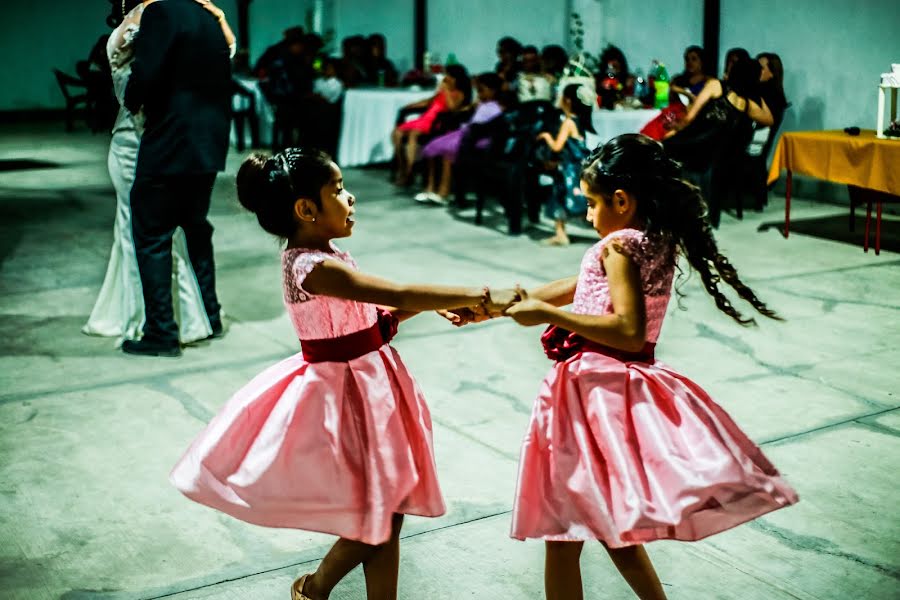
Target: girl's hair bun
x,y
253,181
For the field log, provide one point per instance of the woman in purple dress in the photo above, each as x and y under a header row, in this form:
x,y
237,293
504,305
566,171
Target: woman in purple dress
x,y
446,147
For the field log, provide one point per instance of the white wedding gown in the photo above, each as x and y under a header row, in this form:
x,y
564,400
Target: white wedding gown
x,y
119,309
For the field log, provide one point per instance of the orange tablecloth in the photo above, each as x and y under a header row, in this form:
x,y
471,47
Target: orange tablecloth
x,y
861,160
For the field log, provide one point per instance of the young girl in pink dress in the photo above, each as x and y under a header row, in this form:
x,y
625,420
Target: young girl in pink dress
x,y
621,448
337,438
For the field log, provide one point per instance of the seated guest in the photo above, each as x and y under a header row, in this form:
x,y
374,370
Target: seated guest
x,y
353,61
531,82
697,71
719,125
554,60
289,89
508,51
613,81
446,147
772,84
276,52
454,93
731,57
379,70
329,86
613,60
325,116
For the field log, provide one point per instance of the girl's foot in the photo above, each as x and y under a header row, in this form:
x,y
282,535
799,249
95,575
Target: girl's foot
x,y
297,589
556,240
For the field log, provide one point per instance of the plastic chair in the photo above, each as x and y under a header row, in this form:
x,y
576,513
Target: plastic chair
x,y
67,83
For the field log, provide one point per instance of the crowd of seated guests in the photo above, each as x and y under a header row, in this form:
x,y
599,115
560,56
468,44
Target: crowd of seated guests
x,y
526,96
709,117
712,139
305,86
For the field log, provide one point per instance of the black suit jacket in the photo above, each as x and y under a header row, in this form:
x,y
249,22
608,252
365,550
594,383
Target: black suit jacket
x,y
181,77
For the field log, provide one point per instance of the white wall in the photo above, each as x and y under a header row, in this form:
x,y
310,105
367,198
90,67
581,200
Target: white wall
x,y
644,30
470,28
35,38
833,52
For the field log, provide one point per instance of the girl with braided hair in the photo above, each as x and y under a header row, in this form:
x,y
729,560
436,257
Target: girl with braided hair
x,y
621,448
336,438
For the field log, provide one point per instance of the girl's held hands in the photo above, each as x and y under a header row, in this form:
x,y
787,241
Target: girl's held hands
x,y
528,311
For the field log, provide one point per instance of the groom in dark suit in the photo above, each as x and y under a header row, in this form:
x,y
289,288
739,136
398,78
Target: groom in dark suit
x,y
181,78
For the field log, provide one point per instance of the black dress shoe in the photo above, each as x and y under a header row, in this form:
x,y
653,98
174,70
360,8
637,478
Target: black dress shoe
x,y
149,347
218,331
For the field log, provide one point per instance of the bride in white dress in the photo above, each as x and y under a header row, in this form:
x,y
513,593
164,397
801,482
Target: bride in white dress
x,y
119,309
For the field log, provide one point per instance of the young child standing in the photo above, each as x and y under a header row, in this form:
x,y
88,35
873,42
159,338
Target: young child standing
x,y
576,102
337,438
621,448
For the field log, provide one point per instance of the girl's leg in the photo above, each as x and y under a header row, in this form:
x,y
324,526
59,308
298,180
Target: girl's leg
x,y
635,566
343,557
430,186
446,177
382,568
397,141
412,149
561,234
562,571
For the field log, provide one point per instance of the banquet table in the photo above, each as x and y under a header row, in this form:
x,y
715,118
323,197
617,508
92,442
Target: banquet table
x,y
368,120
867,164
611,123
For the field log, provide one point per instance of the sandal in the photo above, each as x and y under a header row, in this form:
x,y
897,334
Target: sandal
x,y
297,589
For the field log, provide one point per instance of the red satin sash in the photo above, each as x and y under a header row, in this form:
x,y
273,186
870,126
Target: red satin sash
x,y
353,345
561,344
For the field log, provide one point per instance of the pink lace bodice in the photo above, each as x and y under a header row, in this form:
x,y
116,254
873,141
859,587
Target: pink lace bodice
x,y
318,317
657,266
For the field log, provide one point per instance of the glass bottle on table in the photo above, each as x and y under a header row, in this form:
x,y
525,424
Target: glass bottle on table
x,y
661,82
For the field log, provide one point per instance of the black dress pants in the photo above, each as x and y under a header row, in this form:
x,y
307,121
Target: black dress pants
x,y
159,204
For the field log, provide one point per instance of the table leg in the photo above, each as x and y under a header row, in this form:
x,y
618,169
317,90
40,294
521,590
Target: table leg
x,y
787,203
868,220
878,229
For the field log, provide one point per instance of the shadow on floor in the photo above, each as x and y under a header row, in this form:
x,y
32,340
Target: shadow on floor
x,y
837,229
24,164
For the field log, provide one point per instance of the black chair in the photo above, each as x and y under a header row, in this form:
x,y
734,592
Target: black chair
x,y
753,171
246,113
507,168
77,104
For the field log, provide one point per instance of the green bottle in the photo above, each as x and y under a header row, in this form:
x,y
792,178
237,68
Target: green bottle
x,y
662,86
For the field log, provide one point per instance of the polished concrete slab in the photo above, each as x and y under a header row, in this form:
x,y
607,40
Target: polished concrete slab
x,y
87,434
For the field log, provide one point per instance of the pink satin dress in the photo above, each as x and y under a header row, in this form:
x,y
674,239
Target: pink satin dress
x,y
334,447
630,451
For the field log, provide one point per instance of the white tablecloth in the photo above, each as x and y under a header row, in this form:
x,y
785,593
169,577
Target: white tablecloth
x,y
369,116
265,114
610,123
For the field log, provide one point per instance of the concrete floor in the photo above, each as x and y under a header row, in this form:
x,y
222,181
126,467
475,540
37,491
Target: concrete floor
x,y
87,435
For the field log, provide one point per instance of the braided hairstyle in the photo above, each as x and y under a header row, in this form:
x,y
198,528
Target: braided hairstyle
x,y
671,209
270,186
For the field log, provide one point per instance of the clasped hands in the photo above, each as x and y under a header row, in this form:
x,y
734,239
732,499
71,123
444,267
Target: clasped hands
x,y
507,302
